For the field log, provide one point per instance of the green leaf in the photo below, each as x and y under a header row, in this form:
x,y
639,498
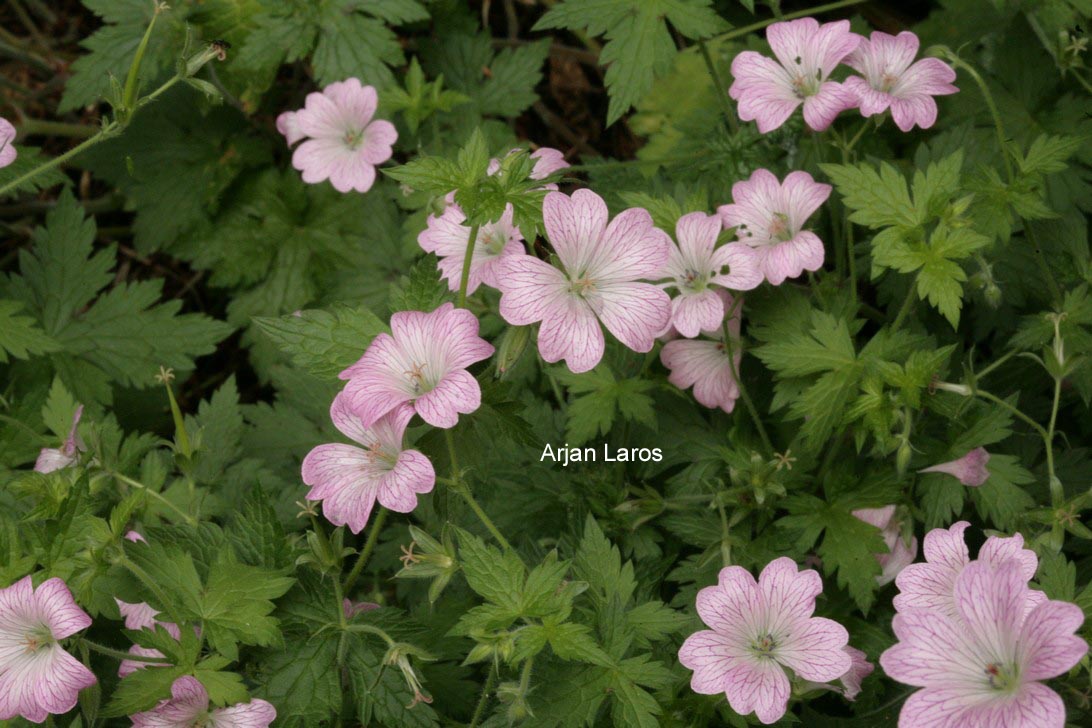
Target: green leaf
x,y
1001,500
1048,154
494,575
380,692
639,45
141,690
257,534
422,289
20,336
878,199
324,342
236,606
303,680
602,397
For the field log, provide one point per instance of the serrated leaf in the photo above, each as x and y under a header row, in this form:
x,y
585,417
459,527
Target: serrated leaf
x,y
20,336
324,342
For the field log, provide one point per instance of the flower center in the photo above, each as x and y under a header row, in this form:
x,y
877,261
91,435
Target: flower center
x,y
582,286
353,138
37,639
764,646
492,241
694,281
887,82
805,84
417,378
1001,678
780,228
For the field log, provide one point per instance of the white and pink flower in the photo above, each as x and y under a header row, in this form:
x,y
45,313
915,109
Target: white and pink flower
x,y
349,479
58,458
189,706
697,266
970,469
758,629
769,216
37,677
142,616
7,143
890,79
900,552
423,362
600,284
705,365
769,91
344,141
931,585
447,237
980,665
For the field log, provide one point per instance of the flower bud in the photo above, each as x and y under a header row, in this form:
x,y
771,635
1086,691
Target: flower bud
x,y
512,344
902,457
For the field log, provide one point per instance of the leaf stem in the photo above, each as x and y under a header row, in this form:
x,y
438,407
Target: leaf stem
x,y
41,127
464,280
120,655
1017,412
744,30
743,390
462,488
907,307
722,99
105,133
155,494
366,552
483,701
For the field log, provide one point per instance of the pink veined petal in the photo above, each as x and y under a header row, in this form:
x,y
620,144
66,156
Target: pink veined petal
x,y
869,100
390,429
817,651
530,288
379,138
547,161
793,40
1047,646
822,107
316,159
412,474
255,714
7,143
758,685
47,681
802,196
344,478
574,224
878,517
710,655
348,422
630,248
926,586
999,549
353,172
51,459
635,313
320,118
832,44
990,601
59,609
188,701
289,126
860,668
696,233
458,393
919,110
128,667
731,605
691,313
929,76
789,593
763,90
933,650
947,546
459,328
570,331
790,259
705,366
137,616
354,100
1035,705
744,269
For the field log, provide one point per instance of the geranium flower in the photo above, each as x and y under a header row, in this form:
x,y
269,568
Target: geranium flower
x,y
7,143
37,677
769,91
135,537
447,236
350,479
769,216
859,669
969,469
705,365
599,283
696,265
54,458
930,585
189,706
423,363
900,554
980,666
345,142
759,630
893,81
142,616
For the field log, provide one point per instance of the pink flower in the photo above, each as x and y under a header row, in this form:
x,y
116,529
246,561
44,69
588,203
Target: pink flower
x,y
769,91
892,81
599,284
53,458
142,616
447,236
349,479
423,363
345,143
189,706
7,143
769,216
859,669
352,608
705,365
969,469
37,677
759,629
980,666
900,554
931,585
547,161
288,124
697,264
135,537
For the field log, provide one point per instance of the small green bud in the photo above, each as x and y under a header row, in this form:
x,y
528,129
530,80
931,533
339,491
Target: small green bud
x,y
512,345
902,457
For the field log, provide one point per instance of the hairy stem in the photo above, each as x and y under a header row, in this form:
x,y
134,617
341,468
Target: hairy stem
x,y
744,30
366,552
483,701
120,655
464,281
722,98
907,307
463,489
743,390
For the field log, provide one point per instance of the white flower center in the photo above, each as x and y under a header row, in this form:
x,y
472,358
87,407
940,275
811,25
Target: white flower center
x,y
353,138
764,646
804,82
694,281
37,639
422,384
779,227
1005,679
582,286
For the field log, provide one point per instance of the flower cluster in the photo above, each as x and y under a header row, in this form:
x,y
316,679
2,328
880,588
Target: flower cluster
x,y
977,639
807,52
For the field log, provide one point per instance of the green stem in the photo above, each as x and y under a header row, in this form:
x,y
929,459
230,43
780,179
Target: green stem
x,y
483,701
107,131
41,127
994,365
737,32
1040,259
725,537
463,489
999,127
165,602
471,243
722,98
1057,493
743,390
856,137
907,307
120,655
1014,410
129,95
616,163
155,494
366,552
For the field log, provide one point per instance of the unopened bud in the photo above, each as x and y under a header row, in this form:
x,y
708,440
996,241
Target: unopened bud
x,y
902,457
513,343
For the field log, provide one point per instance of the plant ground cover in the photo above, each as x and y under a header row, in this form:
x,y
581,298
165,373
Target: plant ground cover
x,y
545,363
